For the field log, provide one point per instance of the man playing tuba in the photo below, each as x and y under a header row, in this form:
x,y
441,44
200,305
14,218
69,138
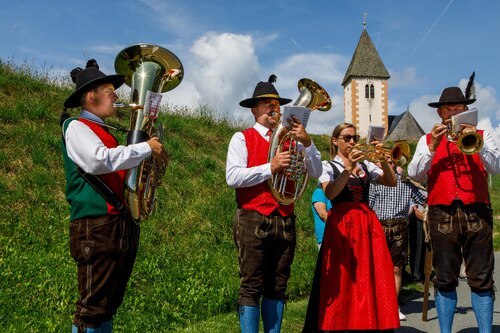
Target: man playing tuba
x,y
103,236
264,230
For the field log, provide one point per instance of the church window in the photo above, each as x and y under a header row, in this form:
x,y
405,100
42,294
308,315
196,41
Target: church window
x,y
369,91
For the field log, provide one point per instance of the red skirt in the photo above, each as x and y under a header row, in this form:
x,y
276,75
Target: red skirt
x,y
357,288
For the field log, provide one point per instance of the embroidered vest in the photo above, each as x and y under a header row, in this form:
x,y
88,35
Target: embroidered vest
x,y
454,175
258,197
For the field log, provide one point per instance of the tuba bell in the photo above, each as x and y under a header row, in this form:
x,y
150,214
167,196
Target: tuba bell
x,y
288,185
146,68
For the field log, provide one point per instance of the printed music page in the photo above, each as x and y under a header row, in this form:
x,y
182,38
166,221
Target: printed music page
x,y
152,104
302,114
467,117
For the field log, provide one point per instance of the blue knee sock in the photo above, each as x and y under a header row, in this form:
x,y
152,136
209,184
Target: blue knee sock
x,y
446,303
482,304
106,327
74,329
272,314
249,318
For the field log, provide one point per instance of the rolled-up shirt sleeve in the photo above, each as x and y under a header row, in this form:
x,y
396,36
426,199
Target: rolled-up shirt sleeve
x,y
237,173
87,150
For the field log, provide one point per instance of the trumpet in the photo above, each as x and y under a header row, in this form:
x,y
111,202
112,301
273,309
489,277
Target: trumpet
x,y
400,153
467,142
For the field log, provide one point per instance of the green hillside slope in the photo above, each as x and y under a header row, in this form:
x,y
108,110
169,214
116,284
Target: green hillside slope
x,y
187,265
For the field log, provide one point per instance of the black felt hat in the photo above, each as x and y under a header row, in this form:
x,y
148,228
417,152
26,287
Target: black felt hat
x,y
264,90
88,79
452,95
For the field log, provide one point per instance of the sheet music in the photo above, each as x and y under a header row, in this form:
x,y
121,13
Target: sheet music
x,y
467,117
375,133
302,114
152,104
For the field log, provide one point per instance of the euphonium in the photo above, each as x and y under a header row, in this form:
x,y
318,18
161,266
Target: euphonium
x,y
146,68
399,153
289,184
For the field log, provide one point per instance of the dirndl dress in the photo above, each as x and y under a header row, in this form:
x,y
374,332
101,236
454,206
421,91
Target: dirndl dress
x,y
353,287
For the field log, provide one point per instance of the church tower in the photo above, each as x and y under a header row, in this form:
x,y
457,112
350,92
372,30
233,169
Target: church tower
x,y
365,88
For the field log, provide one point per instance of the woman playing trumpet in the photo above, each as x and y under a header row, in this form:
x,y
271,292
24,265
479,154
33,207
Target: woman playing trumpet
x,y
353,287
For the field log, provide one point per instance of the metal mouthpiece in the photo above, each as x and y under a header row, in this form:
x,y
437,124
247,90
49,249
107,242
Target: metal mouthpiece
x,y
275,115
132,106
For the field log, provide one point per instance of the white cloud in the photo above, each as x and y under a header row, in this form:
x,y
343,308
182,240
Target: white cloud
x,y
485,124
486,103
221,71
423,113
406,78
327,69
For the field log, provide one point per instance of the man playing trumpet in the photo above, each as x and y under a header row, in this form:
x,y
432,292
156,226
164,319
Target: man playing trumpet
x,y
264,230
460,214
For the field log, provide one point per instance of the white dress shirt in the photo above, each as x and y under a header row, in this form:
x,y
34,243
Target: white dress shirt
x,y
422,159
329,176
87,150
239,175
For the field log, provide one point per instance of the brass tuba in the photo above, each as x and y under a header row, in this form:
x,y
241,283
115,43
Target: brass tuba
x,y
146,68
288,185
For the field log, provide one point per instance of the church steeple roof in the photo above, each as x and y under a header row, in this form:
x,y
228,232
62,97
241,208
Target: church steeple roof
x,y
366,61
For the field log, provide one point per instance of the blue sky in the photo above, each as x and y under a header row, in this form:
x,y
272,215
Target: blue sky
x,y
228,46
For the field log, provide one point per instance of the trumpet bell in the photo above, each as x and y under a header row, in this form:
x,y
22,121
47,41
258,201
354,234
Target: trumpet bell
x,y
400,153
470,143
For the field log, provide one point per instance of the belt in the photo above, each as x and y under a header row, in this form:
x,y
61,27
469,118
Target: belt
x,y
394,221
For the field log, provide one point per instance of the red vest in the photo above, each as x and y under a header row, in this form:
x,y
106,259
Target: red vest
x,y
454,175
114,180
258,197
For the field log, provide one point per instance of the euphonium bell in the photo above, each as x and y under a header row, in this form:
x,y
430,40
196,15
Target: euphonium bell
x,y
146,68
288,185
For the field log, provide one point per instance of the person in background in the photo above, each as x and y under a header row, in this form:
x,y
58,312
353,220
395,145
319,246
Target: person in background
x,y
103,237
264,229
460,214
392,206
320,206
353,286
416,236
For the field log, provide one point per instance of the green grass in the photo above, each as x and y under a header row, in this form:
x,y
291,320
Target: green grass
x,y
186,274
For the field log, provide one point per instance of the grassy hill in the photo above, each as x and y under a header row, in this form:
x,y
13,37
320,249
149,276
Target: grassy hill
x,y
187,266
186,271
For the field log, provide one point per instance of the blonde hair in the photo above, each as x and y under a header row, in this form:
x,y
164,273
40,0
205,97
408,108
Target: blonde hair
x,y
335,134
